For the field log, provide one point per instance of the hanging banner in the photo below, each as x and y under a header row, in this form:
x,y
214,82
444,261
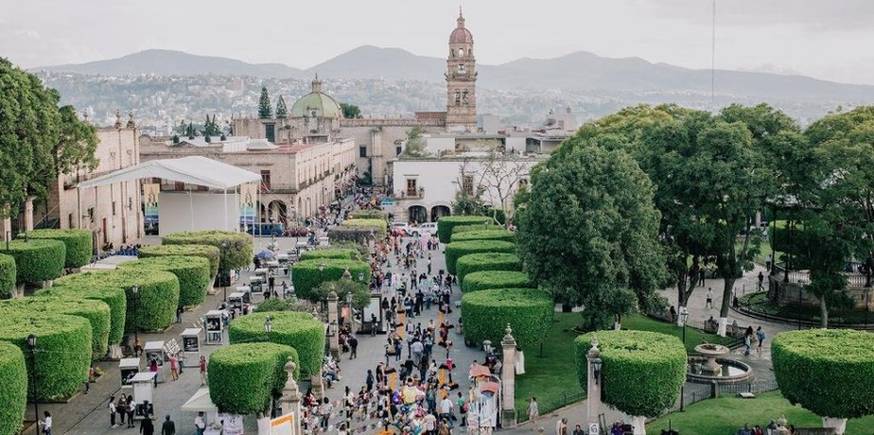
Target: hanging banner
x,y
284,425
248,194
151,192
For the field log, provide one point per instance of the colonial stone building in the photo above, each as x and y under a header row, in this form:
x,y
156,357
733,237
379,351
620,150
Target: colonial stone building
x,y
461,80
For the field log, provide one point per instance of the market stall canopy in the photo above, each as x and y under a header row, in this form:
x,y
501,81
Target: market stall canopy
x,y
197,170
200,401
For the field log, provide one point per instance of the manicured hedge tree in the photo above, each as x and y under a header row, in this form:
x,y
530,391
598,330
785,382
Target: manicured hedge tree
x,y
495,234
368,214
642,371
13,394
36,260
211,253
486,261
63,345
96,312
346,253
7,276
306,275
377,225
476,227
486,313
94,286
358,235
244,377
456,250
77,242
488,279
192,273
829,372
446,223
237,253
302,331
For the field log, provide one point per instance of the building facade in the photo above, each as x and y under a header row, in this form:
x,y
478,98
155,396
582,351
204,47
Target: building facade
x,y
461,80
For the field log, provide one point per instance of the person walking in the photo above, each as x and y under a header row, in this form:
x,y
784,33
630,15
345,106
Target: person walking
x,y
761,281
146,427
561,426
709,304
46,423
202,366
153,367
121,409
199,424
174,367
353,347
130,407
168,428
760,338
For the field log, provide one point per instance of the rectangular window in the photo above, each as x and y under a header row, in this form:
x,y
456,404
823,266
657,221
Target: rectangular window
x,y
270,132
362,151
265,180
91,214
113,208
411,187
467,184
179,186
398,150
70,220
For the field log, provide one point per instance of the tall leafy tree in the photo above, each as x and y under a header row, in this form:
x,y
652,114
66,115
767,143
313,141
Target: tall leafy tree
x,y
77,142
281,109
265,111
350,111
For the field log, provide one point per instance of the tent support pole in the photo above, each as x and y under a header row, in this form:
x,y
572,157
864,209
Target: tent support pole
x,y
191,208
226,208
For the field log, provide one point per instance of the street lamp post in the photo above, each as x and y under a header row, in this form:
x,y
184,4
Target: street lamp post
x,y
31,346
684,317
225,275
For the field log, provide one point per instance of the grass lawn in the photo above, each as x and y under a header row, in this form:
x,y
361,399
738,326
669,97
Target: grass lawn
x,y
552,378
724,416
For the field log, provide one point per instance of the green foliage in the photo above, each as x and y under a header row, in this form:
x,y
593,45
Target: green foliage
x,y
13,395
350,111
415,146
642,372
306,275
63,348
486,261
210,128
475,227
77,142
96,312
281,108
36,260
78,243
94,286
192,273
276,304
828,371
356,235
486,313
367,214
302,331
377,225
211,253
344,253
236,254
496,234
446,223
360,292
7,276
456,250
489,279
244,377
265,111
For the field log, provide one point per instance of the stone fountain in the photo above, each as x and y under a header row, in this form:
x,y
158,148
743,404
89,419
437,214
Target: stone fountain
x,y
712,364
711,352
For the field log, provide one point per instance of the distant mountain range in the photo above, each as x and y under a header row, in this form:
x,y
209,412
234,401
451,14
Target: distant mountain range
x,y
579,71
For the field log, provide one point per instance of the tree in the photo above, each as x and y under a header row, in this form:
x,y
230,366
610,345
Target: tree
x,y
590,229
350,111
265,111
76,143
415,146
281,109
342,287
210,128
501,175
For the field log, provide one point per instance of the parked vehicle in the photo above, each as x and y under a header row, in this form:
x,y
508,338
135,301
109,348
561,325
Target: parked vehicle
x,y
266,230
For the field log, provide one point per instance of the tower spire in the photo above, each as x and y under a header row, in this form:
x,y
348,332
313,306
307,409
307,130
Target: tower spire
x,y
460,19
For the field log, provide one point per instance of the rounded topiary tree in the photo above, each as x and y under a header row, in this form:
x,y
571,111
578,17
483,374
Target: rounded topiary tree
x,y
94,286
486,261
96,312
235,248
641,372
13,395
475,227
368,214
192,273
456,250
309,274
211,253
446,223
36,260
244,377
78,243
485,315
7,276
302,331
63,346
492,234
343,253
487,279
829,372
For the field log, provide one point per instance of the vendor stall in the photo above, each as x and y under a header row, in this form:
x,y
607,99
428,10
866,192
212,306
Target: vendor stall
x,y
191,347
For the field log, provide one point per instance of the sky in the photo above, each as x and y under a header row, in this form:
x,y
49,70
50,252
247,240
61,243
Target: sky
x,y
827,39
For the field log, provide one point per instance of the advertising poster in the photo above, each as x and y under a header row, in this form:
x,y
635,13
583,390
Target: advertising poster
x,y
151,192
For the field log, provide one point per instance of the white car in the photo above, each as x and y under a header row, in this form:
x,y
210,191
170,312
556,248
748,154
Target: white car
x,y
429,228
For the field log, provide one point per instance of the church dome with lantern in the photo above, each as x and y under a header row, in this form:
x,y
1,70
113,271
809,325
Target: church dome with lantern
x,y
316,104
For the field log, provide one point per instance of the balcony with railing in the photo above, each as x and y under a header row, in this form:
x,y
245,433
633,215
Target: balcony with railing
x,y
410,193
855,279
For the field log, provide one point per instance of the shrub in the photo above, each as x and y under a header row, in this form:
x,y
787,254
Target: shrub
x,y
828,371
92,286
476,227
211,253
63,344
347,253
456,250
13,395
379,226
277,304
7,276
237,253
487,279
446,223
192,273
357,235
642,371
486,313
368,214
360,292
306,275
96,312
36,260
78,244
302,331
244,377
495,234
486,261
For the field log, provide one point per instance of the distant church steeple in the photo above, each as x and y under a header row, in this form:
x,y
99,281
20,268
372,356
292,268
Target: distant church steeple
x,y
461,78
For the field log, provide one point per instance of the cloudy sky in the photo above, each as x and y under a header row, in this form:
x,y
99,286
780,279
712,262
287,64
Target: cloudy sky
x,y
829,39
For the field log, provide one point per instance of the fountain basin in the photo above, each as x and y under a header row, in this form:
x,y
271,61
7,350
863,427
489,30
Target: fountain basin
x,y
730,371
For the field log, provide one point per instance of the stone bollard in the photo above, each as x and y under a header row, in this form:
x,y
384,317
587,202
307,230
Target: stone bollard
x,y
332,323
508,379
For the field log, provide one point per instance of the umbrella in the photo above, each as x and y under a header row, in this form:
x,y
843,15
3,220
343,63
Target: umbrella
x,y
265,255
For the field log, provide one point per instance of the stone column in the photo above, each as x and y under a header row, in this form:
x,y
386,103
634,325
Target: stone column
x,y
290,400
508,379
593,383
332,323
28,213
6,229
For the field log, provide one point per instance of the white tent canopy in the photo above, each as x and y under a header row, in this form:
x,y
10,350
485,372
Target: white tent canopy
x,y
191,170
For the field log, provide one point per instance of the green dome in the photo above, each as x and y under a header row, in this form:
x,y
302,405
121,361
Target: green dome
x,y
316,104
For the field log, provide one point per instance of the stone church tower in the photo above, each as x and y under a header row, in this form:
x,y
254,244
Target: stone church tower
x,y
461,79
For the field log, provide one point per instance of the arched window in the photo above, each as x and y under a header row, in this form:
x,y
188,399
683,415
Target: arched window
x,y
460,52
457,98
461,68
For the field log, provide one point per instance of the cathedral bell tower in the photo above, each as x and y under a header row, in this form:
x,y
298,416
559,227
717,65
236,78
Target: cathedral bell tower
x,y
461,79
